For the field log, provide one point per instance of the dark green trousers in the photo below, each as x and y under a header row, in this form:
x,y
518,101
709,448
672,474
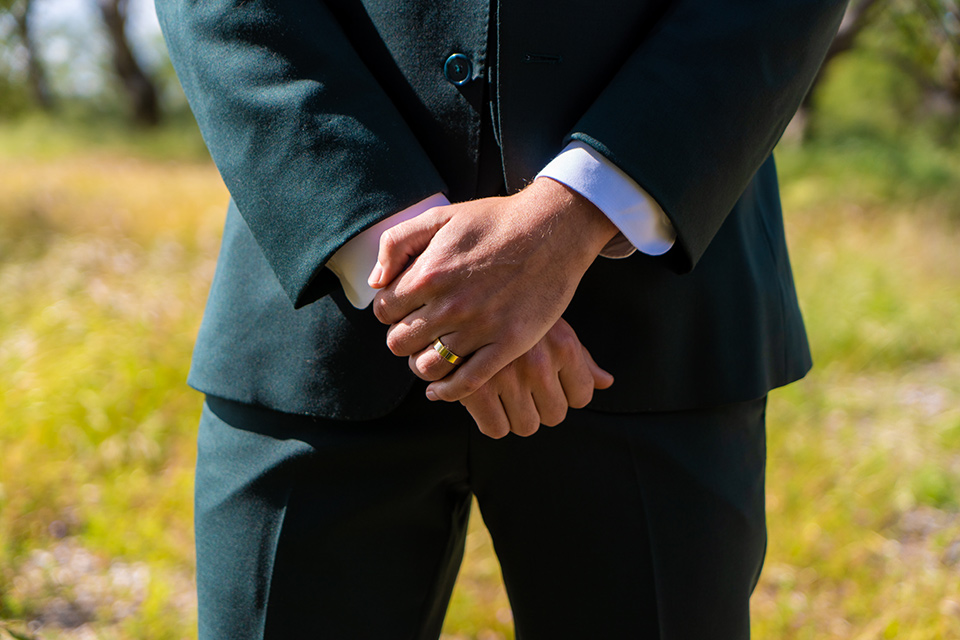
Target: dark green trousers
x,y
607,526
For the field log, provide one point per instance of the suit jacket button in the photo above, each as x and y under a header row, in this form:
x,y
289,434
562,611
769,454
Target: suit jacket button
x,y
457,69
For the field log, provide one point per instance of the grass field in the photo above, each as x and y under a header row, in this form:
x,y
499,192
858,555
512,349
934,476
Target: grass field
x,y
105,260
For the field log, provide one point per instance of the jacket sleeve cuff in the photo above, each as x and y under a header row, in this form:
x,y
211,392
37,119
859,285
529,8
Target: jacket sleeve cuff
x,y
642,223
353,262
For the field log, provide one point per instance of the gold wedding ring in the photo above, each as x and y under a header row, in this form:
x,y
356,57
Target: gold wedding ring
x,y
445,353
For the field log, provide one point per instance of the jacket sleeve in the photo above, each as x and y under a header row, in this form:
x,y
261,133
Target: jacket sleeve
x,y
699,106
310,147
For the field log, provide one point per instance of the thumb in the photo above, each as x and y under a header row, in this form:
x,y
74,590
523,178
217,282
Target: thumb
x,y
402,243
601,378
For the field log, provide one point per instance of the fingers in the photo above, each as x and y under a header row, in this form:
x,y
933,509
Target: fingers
x,y
429,365
487,411
572,370
551,402
581,377
414,337
577,382
411,334
536,388
411,290
469,377
521,410
602,379
400,244
404,281
499,409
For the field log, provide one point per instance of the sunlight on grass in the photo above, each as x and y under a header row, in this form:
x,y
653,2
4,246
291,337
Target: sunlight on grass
x,y
105,260
103,271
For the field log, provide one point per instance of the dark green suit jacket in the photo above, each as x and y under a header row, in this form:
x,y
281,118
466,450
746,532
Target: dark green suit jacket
x,y
326,117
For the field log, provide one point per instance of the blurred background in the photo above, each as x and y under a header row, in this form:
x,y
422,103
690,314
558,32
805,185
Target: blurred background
x,y
110,215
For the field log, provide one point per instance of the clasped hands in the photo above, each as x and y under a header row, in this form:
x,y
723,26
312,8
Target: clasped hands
x,y
491,278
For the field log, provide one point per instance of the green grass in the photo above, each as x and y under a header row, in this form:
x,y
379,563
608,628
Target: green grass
x,y
106,252
103,271
864,454
78,131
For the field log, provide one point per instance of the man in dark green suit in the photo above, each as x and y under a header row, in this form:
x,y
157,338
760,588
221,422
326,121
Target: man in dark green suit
x,y
332,495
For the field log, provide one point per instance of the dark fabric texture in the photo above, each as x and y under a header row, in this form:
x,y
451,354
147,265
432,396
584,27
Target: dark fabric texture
x,y
318,114
688,97
254,344
327,117
320,528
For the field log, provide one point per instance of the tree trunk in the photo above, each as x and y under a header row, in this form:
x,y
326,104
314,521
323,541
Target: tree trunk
x,y
36,74
140,89
948,66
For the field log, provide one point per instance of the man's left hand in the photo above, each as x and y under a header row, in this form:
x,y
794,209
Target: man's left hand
x,y
557,374
488,277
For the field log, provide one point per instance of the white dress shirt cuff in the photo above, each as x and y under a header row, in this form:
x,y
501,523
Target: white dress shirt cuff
x,y
642,223
353,262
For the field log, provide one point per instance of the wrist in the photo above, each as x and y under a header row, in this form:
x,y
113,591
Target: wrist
x,y
584,220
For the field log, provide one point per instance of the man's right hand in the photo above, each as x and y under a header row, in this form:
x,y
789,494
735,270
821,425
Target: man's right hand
x,y
538,387
488,277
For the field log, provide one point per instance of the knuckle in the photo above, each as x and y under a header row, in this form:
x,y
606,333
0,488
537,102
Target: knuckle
x,y
537,360
395,343
389,240
455,311
430,367
568,345
417,370
380,309
429,279
548,379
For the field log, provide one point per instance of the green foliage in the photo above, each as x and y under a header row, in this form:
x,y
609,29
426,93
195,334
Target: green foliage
x,y
871,171
901,79
864,96
935,486
15,99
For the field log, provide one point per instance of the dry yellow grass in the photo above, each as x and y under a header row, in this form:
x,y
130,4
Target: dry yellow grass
x,y
105,262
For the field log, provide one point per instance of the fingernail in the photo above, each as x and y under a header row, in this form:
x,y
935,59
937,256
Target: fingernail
x,y
374,278
431,396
